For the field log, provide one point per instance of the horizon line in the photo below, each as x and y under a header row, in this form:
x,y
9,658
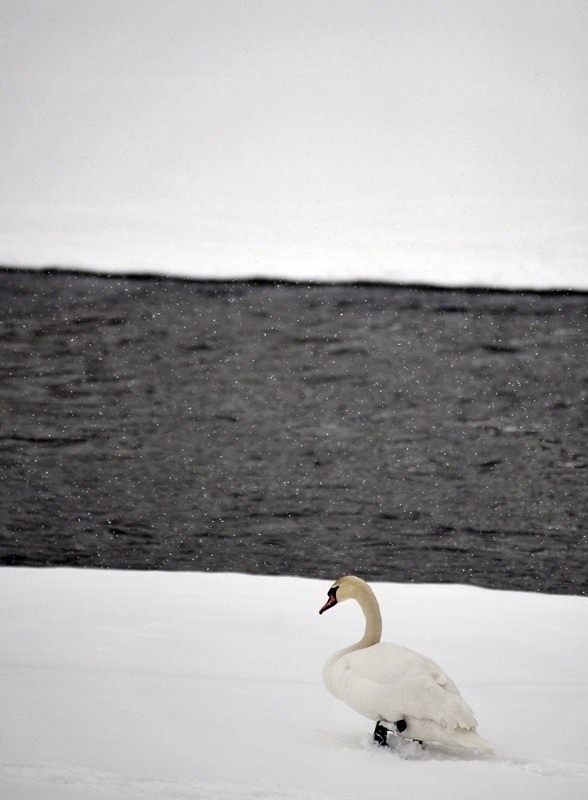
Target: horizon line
x,y
259,280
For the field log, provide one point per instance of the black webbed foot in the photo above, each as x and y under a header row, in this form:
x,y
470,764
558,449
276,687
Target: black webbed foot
x,y
381,735
383,728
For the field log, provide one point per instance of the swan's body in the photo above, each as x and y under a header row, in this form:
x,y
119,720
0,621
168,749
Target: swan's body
x,y
388,682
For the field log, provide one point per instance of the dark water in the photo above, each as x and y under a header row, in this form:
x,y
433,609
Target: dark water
x,y
401,434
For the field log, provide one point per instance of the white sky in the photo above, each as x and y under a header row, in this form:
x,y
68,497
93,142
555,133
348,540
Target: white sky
x,y
328,139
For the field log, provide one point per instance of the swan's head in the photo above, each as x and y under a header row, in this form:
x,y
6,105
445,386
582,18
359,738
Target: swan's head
x,y
346,588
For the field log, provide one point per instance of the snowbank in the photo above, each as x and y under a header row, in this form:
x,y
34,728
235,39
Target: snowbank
x,y
398,142
150,685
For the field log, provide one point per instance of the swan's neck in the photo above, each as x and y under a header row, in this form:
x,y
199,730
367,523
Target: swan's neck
x,y
373,632
373,619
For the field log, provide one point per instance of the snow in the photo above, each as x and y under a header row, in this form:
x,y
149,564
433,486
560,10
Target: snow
x,y
412,142
137,685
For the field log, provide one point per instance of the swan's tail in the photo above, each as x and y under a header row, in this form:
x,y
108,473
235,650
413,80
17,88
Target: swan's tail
x,y
426,730
471,739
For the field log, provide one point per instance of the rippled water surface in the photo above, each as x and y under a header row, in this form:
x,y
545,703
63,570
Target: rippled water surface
x,y
401,434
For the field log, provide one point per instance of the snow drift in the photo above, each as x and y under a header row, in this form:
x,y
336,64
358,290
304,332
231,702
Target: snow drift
x,y
192,685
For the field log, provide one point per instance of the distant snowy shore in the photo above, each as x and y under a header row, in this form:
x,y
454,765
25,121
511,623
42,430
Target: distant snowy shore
x,y
194,685
421,143
404,280
475,245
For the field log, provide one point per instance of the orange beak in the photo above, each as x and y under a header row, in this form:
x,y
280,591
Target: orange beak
x,y
331,601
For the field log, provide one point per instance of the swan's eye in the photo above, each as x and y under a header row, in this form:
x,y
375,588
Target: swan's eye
x,y
333,592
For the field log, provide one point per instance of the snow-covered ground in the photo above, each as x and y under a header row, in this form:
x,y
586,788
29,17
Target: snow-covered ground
x,y
419,142
142,685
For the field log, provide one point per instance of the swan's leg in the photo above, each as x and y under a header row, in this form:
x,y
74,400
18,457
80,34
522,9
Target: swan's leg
x,y
383,728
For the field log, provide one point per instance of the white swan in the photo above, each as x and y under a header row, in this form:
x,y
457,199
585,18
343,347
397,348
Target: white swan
x,y
403,691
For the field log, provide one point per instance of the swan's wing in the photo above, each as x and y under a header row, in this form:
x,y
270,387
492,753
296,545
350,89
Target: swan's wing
x,y
391,663
392,680
425,699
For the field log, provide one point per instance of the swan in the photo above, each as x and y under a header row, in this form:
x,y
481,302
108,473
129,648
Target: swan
x,y
404,692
